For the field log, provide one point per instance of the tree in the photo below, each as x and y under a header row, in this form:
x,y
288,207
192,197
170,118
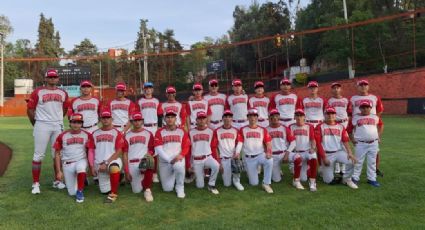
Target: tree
x,y
85,48
5,26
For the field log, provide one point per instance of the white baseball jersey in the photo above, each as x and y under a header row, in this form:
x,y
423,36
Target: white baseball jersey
x,y
281,137
238,104
49,104
178,108
366,127
262,106
89,108
340,105
107,142
330,137
201,141
150,109
254,139
73,146
313,108
303,136
217,105
174,142
227,139
356,100
195,106
121,111
285,104
138,143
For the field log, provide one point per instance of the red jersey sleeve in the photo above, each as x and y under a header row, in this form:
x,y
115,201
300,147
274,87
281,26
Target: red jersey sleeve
x,y
90,141
240,135
299,104
125,146
209,112
214,144
289,136
318,137
183,114
311,133
379,105
272,104
119,141
344,135
188,110
58,143
133,108
325,103
185,144
350,127
66,104
159,110
349,108
267,137
227,105
33,101
380,122
158,138
151,145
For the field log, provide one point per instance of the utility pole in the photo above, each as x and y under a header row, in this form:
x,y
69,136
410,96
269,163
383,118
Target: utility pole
x,y
145,57
2,71
100,80
351,72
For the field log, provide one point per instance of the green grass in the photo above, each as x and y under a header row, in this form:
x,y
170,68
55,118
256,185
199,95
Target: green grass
x,y
399,203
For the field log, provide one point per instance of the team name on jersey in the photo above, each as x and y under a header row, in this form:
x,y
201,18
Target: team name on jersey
x,y
137,140
201,137
358,102
286,101
146,105
52,97
253,134
198,106
276,134
239,100
332,132
313,105
338,104
259,104
75,141
171,139
86,106
227,136
366,121
105,138
119,107
216,101
300,132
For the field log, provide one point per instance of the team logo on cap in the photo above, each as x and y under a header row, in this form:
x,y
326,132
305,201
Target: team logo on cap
x,y
363,82
330,110
52,73
227,112
274,112
121,86
105,114
197,86
365,104
170,89
136,116
170,112
335,84
201,114
252,112
76,117
258,84
312,84
285,81
86,83
213,82
236,82
299,112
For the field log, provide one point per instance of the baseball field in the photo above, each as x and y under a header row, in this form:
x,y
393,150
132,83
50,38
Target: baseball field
x,y
398,204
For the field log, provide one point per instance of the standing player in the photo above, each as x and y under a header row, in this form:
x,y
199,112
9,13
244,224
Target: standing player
x,y
367,130
203,156
238,104
285,102
198,104
138,142
177,107
260,102
257,148
377,108
121,108
45,109
216,102
313,105
88,106
228,144
106,163
71,150
305,146
330,139
152,115
172,145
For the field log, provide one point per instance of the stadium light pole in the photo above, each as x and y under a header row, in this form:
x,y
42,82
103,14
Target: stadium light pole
x,y
2,70
350,63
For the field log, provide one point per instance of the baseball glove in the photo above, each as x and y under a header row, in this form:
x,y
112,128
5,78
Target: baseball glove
x,y
146,163
237,166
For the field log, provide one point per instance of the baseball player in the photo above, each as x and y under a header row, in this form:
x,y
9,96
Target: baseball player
x,y
330,139
88,106
238,104
172,144
260,102
152,115
257,148
228,145
176,106
137,143
71,150
376,103
285,102
367,130
340,104
121,108
313,105
106,163
216,102
197,104
305,146
45,109
203,155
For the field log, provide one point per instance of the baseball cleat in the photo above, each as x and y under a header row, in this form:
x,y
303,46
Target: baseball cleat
x,y
379,173
181,195
112,197
313,187
148,195
238,186
297,184
58,184
155,178
189,178
267,188
350,184
79,197
357,182
35,188
374,183
213,190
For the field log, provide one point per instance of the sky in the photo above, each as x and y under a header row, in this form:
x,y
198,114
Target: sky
x,y
114,24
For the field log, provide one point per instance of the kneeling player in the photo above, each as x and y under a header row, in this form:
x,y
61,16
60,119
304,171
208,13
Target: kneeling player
x,y
105,162
71,149
138,143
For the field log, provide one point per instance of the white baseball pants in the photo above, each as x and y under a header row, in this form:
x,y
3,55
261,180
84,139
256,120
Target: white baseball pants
x,y
306,156
340,157
227,175
103,177
172,174
208,163
369,152
43,133
277,161
70,171
136,177
251,168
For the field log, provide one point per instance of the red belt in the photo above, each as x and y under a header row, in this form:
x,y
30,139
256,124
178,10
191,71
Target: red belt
x,y
252,156
201,157
313,121
87,127
134,160
341,121
239,121
216,122
150,125
277,152
285,119
368,142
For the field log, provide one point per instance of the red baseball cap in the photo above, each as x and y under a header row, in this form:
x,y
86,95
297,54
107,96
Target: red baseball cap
x,y
197,86
330,110
201,114
365,104
86,83
227,112
76,117
121,86
252,112
213,82
170,112
363,82
285,81
312,84
236,82
105,114
52,73
274,112
299,111
136,116
258,84
170,89
336,84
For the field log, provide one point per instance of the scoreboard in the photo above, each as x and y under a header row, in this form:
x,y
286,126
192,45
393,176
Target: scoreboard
x,y
73,75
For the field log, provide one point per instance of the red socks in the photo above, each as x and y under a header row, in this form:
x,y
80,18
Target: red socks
x,y
147,179
312,168
115,182
36,170
81,177
297,167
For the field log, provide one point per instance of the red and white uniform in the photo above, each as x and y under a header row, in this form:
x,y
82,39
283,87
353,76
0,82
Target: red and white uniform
x,y
121,111
107,142
195,106
150,109
178,108
341,108
89,108
74,148
366,127
304,136
374,101
217,104
238,104
137,144
262,106
286,105
313,108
